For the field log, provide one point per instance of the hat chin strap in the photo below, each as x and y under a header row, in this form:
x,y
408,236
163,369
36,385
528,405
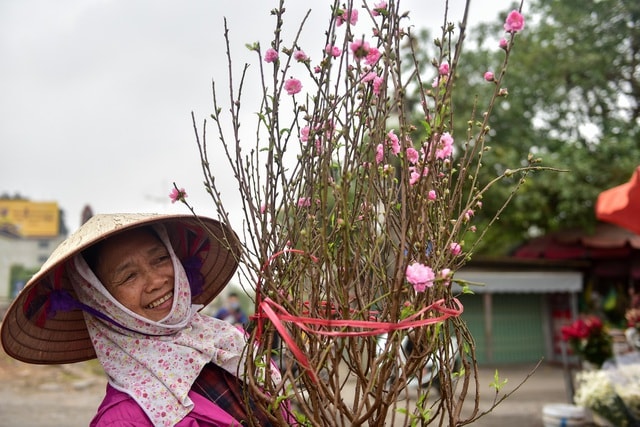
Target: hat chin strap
x,y
192,266
61,300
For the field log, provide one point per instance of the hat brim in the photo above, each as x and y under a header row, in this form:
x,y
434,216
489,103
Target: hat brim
x,y
30,336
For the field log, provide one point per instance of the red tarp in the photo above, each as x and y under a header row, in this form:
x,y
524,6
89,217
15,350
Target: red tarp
x,y
614,251
621,205
607,241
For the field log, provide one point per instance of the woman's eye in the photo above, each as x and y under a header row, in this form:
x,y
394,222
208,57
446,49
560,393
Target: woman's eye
x,y
123,279
163,258
129,277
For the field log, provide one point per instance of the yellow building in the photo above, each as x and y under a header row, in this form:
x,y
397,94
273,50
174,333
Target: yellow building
x,y
29,232
30,219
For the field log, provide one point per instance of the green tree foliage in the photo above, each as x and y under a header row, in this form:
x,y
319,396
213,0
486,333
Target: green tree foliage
x,y
574,101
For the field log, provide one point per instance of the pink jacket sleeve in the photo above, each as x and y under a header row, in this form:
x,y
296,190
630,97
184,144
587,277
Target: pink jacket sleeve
x,y
118,409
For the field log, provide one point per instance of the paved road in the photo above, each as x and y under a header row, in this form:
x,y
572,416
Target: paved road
x,y
53,396
48,396
524,407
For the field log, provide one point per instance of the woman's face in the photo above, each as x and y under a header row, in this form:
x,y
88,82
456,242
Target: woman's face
x,y
137,270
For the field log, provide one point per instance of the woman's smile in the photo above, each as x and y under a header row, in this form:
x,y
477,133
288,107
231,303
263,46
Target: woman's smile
x,y
161,301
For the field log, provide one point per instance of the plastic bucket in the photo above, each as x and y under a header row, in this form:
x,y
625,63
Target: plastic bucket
x,y
563,415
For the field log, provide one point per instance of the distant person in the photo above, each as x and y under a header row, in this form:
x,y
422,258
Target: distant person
x,y
17,287
232,311
127,289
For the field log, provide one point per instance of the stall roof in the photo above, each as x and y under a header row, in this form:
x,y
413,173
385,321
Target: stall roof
x,y
532,281
611,251
606,241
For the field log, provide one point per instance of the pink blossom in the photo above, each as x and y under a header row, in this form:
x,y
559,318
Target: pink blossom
x,y
270,55
432,195
372,56
333,50
412,155
473,228
443,69
469,214
377,84
304,134
420,276
329,128
488,76
455,248
514,22
360,49
379,153
369,77
445,274
504,44
350,15
445,147
263,208
414,176
292,86
300,56
393,140
317,69
177,195
304,202
379,7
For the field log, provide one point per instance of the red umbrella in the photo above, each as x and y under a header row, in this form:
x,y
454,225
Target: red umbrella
x,y
621,205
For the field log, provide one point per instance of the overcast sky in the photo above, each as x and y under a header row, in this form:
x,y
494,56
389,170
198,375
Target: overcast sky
x,y
96,95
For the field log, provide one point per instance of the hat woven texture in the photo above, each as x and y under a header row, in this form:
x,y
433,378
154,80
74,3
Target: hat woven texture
x,y
29,335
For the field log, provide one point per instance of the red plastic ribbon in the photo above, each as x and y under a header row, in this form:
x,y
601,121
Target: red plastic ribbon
x,y
336,327
259,287
374,327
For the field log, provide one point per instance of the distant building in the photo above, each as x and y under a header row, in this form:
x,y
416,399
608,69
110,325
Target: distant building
x,y
518,307
29,232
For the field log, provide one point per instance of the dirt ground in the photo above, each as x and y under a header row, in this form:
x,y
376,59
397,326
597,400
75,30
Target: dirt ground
x,y
49,396
68,395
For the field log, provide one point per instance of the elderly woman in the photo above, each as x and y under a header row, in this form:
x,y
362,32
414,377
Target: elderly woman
x,y
126,288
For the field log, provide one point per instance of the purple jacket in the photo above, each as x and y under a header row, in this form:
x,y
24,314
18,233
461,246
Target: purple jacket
x,y
119,409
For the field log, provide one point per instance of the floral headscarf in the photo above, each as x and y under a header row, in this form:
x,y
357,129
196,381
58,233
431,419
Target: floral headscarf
x,y
156,363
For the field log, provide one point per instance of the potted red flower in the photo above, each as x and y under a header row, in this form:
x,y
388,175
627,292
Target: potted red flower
x,y
589,339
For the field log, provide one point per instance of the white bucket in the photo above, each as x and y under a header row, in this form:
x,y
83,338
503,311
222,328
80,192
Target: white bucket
x,y
563,415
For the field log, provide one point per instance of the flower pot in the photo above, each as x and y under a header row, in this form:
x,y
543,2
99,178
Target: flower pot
x,y
563,415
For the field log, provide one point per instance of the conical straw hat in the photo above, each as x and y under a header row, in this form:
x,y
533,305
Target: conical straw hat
x,y
29,335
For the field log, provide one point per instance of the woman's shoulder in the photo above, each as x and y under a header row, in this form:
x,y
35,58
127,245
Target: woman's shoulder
x,y
119,409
